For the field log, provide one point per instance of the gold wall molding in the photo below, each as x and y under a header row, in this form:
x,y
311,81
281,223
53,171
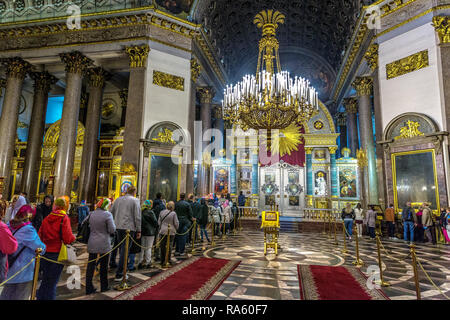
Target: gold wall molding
x,y
167,80
442,26
75,62
372,56
138,55
363,86
321,139
196,70
406,65
165,137
203,45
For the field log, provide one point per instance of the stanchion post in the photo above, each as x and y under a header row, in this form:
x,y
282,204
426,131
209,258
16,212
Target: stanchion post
x,y
194,231
213,226
123,285
344,251
36,273
358,262
240,222
329,225
380,264
165,265
416,274
223,229
335,235
234,224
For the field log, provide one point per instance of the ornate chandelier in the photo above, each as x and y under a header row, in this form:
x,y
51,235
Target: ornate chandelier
x,y
269,100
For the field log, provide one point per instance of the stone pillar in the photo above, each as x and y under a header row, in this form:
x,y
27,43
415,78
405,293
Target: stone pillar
x,y
16,70
334,173
233,174
206,95
341,123
2,85
255,173
88,172
351,108
219,123
76,66
195,73
30,179
309,177
135,104
363,87
124,99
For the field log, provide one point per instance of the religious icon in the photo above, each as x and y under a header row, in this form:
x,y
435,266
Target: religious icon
x,y
347,183
221,180
319,154
321,184
294,201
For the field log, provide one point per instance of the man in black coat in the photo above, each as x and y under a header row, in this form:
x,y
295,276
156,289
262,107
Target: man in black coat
x,y
42,211
185,216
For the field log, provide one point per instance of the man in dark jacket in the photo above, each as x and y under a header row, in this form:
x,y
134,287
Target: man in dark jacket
x,y
409,222
241,202
184,213
42,211
196,213
158,205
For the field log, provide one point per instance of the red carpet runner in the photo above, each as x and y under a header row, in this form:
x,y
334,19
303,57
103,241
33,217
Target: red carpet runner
x,y
335,283
194,279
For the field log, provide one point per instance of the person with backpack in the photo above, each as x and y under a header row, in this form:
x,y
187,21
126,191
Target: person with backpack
x,y
8,244
409,222
102,227
158,205
19,287
167,217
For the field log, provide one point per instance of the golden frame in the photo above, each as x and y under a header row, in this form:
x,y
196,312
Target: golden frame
x,y
394,175
150,167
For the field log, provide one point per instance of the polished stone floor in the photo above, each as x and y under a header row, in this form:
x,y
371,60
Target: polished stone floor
x,y
275,277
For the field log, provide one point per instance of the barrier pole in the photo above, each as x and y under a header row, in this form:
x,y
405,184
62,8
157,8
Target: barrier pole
x,y
166,259
344,251
358,262
194,229
380,265
416,274
36,273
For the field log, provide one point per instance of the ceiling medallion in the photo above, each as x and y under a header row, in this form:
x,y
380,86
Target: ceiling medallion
x,y
269,100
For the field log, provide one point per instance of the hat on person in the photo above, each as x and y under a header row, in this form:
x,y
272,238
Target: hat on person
x,y
62,203
104,204
24,211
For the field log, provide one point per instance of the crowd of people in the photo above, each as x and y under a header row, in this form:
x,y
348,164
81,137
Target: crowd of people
x,y
25,229
415,226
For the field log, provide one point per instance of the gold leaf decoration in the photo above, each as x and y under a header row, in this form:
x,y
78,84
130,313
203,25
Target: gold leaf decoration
x,y
410,130
168,80
165,137
406,65
287,141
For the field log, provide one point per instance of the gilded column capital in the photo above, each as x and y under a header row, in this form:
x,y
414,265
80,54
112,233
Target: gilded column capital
x,y
363,86
97,77
309,150
206,94
332,150
218,112
75,62
351,105
16,67
43,81
372,56
196,69
123,94
442,26
341,119
138,55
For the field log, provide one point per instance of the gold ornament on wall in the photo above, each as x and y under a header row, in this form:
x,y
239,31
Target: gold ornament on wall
x,y
168,80
287,141
361,155
351,105
410,130
372,56
318,125
165,137
363,86
196,69
442,26
138,55
406,65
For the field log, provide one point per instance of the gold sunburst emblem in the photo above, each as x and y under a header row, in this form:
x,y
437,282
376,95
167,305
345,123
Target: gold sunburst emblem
x,y
287,141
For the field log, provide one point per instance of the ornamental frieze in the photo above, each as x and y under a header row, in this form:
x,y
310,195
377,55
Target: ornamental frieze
x,y
406,65
397,16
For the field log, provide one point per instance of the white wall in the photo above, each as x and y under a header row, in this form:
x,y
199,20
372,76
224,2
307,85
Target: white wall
x,y
165,104
418,91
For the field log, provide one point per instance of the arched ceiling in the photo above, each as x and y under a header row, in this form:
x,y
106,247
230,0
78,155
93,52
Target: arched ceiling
x,y
314,35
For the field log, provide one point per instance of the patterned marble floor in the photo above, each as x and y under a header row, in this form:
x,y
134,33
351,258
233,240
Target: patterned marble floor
x,y
275,277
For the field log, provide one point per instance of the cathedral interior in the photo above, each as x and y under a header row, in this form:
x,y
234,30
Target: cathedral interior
x,y
304,107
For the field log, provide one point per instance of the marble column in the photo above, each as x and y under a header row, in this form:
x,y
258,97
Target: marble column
x,y
206,95
363,86
219,123
341,123
351,108
255,173
195,73
233,174
16,70
334,173
88,172
309,177
30,178
2,85
135,104
76,66
123,94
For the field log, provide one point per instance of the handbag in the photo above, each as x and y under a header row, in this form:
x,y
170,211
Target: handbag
x,y
85,231
67,253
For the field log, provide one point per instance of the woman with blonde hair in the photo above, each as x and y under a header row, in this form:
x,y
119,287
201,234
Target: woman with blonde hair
x,y
348,215
167,217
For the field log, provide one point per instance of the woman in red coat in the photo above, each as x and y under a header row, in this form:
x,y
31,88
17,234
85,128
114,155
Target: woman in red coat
x,y
54,230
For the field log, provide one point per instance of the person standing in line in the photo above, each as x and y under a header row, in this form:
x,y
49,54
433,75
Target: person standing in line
x,y
389,215
185,217
409,222
359,219
227,215
419,230
19,287
234,216
42,211
149,230
196,213
83,212
348,216
102,227
21,201
370,221
241,203
158,205
428,224
167,217
54,231
203,220
8,244
126,211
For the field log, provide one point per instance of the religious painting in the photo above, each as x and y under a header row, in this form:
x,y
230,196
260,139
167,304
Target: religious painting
x,y
319,155
102,184
126,182
320,179
245,174
105,152
294,201
347,183
221,180
269,178
414,177
244,185
177,7
293,177
269,200
163,177
243,156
